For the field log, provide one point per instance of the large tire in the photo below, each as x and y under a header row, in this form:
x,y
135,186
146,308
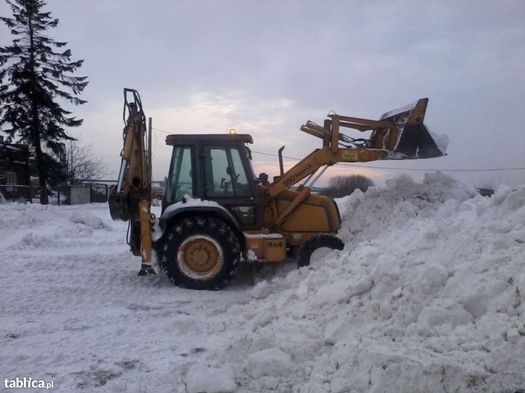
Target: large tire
x,y
313,244
202,253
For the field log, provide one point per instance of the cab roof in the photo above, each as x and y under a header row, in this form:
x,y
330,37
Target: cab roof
x,y
188,139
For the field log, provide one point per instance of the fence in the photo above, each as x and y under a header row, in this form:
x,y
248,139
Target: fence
x,y
70,195
88,193
96,191
16,192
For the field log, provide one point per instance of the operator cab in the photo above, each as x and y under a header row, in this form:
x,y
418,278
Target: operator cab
x,y
215,167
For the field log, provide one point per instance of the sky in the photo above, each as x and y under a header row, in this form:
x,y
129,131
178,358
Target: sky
x,y
266,67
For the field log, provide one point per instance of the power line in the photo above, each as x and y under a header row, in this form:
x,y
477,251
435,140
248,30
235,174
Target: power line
x,y
402,169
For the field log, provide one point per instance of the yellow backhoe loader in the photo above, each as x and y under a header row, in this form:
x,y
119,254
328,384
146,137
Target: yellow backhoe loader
x,y
216,213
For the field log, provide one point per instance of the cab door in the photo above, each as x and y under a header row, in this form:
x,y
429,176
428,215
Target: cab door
x,y
229,180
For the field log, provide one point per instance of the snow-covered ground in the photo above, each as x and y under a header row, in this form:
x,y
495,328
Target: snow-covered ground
x,y
427,296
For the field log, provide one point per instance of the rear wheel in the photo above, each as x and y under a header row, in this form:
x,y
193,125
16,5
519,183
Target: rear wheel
x,y
202,253
316,243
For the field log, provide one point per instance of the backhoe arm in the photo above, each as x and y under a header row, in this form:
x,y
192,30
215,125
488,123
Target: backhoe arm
x,y
130,200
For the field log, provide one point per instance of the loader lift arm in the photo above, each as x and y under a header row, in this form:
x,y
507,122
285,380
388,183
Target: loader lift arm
x,y
130,199
399,134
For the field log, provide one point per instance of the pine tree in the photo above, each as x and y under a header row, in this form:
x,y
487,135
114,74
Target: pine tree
x,y
35,72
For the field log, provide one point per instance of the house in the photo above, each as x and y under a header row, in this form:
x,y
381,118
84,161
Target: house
x,y
14,171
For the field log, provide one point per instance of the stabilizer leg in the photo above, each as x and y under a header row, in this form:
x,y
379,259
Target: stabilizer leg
x,y
146,246
146,270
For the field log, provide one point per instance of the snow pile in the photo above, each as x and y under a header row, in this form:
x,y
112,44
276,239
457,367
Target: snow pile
x,y
14,216
89,220
268,362
202,378
64,235
428,295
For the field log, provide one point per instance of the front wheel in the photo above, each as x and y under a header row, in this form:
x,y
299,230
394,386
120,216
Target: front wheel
x,y
203,253
315,243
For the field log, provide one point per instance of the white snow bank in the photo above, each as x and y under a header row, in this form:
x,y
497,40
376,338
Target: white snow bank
x,y
270,362
50,227
89,220
206,379
428,295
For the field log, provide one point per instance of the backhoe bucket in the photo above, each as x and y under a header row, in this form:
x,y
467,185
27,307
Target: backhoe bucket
x,y
407,137
118,205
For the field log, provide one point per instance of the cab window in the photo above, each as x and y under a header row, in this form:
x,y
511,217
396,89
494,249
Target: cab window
x,y
227,177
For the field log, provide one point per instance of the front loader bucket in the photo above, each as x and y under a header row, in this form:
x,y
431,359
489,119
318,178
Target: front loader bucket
x,y
407,137
417,142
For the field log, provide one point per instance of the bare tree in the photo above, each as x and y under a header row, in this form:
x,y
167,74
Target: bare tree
x,y
81,164
339,186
